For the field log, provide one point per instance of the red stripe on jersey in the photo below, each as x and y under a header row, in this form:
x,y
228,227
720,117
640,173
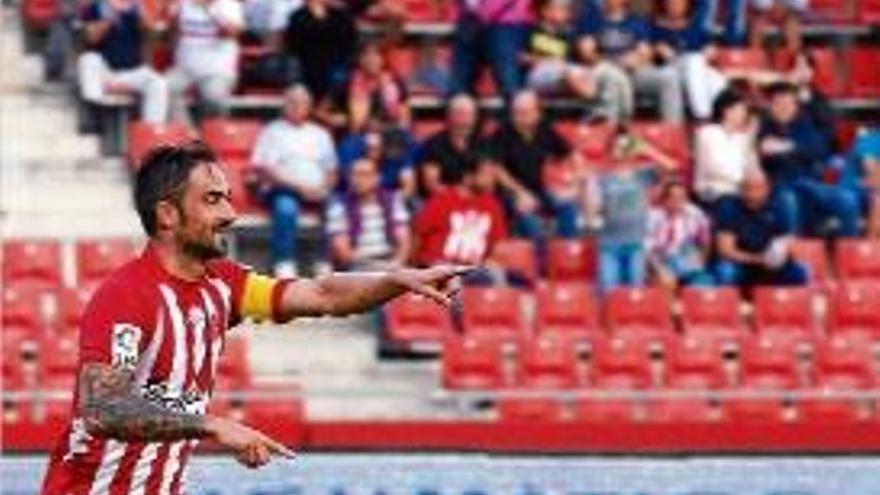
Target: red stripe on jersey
x,y
121,484
184,460
158,469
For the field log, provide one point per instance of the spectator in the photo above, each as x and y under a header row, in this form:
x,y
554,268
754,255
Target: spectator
x,y
391,151
323,38
113,30
523,147
794,154
614,32
368,227
206,55
787,13
753,238
549,53
679,239
490,32
815,105
863,177
680,39
446,155
375,94
735,25
725,149
266,19
297,160
461,223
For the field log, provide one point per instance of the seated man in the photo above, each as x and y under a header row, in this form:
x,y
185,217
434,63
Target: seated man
x,y
753,238
113,64
297,160
862,176
679,239
794,154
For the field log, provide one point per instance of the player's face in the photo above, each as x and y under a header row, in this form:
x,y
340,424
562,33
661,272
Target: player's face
x,y
206,212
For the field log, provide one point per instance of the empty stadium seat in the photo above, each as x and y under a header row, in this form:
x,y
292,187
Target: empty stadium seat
x,y
38,15
857,259
230,138
32,261
785,315
742,59
20,351
471,363
863,74
58,354
824,411
765,366
277,407
234,361
413,318
529,409
621,362
694,364
681,411
592,141
854,310
844,363
71,304
712,314
567,311
25,306
517,256
547,362
670,138
754,410
572,260
620,411
869,11
97,258
639,314
812,254
238,173
493,312
832,10
144,136
827,71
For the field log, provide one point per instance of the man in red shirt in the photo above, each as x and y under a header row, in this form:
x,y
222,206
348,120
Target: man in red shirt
x,y
461,223
152,334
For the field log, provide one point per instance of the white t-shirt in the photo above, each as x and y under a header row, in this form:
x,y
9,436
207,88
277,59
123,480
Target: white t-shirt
x,y
722,160
304,153
266,16
201,50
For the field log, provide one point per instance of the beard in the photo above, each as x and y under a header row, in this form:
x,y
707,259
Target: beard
x,y
203,249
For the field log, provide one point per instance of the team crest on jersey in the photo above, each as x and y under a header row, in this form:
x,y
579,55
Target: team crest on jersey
x,y
124,345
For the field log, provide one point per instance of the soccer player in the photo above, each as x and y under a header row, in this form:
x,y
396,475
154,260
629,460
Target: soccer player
x,y
152,334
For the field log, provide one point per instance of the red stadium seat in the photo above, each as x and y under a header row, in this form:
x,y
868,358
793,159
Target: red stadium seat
x,y
863,74
682,411
518,257
38,15
827,71
278,409
566,311
592,141
832,10
20,351
869,12
238,173
754,410
414,319
767,367
785,315
639,314
857,259
571,260
493,312
604,411
622,362
845,363
474,364
853,310
59,354
529,409
71,304
743,59
97,258
713,314
234,362
694,364
144,136
547,362
26,306
823,411
812,254
33,261
669,138
231,139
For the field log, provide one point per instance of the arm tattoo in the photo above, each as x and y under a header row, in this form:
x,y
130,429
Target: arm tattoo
x,y
112,408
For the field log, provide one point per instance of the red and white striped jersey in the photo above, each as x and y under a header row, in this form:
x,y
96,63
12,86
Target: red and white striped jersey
x,y
169,332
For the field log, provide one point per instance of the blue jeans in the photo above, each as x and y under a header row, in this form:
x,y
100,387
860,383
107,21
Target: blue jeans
x,y
284,208
735,28
730,273
687,273
621,265
498,46
530,225
812,200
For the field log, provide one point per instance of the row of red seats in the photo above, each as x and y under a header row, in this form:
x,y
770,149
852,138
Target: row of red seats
x,y
39,262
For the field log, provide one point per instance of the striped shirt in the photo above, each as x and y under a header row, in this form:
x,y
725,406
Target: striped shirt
x,y
671,234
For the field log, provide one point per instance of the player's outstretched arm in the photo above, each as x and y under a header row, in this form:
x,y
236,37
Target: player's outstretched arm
x,y
112,408
349,293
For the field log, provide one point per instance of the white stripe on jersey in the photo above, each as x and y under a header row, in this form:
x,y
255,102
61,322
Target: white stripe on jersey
x,y
143,468
199,338
177,376
151,353
114,451
172,466
225,294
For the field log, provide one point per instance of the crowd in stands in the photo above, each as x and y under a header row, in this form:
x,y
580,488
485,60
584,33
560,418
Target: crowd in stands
x,y
343,146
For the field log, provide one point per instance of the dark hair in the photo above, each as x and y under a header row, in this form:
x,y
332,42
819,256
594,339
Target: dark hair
x,y
670,184
163,174
781,88
728,99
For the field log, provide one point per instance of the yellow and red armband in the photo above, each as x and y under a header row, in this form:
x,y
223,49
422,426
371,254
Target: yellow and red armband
x,y
261,297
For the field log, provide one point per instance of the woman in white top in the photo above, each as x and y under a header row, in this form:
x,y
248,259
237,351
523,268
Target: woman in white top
x,y
725,148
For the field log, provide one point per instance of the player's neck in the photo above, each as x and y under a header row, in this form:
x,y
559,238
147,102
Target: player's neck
x,y
177,263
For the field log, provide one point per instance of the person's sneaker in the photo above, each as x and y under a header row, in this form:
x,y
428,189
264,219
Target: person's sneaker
x,y
285,269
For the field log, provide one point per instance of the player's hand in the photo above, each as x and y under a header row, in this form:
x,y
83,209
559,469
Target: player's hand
x,y
251,448
436,282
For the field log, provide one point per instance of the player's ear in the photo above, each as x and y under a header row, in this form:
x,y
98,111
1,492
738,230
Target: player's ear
x,y
167,215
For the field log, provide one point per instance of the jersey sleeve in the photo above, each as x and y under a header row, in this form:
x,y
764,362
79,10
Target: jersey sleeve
x,y
254,296
116,328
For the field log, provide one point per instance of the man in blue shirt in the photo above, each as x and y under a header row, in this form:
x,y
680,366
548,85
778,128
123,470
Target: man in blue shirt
x,y
794,154
612,31
113,31
753,238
